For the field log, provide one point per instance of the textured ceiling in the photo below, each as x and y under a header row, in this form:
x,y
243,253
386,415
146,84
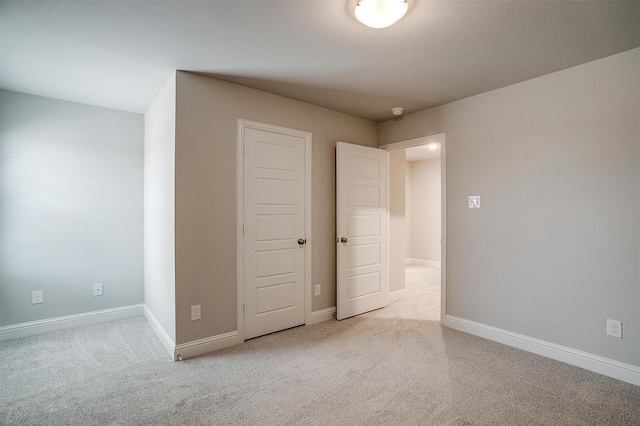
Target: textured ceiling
x,y
119,54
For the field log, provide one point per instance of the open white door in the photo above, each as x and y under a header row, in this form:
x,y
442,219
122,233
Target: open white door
x,y
361,210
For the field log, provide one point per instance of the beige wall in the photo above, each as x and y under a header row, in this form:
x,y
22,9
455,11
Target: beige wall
x,y
159,207
425,210
555,249
397,220
206,135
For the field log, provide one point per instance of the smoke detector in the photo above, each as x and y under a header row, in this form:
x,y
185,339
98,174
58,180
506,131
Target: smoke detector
x,y
397,110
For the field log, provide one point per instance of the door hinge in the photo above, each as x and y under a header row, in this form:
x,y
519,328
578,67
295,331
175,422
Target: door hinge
x,y
243,308
243,230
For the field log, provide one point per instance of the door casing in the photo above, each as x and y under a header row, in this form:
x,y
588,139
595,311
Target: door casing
x,y
242,126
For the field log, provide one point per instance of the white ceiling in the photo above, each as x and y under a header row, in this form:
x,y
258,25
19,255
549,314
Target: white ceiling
x,y
120,54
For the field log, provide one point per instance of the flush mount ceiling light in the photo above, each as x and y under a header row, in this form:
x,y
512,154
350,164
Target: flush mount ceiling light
x,y
380,13
433,146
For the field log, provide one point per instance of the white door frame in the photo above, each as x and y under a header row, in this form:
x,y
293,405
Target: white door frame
x,y
438,138
242,126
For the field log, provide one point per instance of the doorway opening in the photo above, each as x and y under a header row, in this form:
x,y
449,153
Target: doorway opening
x,y
416,224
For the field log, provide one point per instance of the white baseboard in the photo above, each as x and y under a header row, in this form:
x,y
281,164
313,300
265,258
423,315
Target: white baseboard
x,y
162,334
322,315
608,367
206,345
69,321
422,262
190,349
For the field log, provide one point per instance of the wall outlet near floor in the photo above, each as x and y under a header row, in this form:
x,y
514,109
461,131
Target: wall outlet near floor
x,y
614,328
474,201
318,290
37,297
195,312
97,289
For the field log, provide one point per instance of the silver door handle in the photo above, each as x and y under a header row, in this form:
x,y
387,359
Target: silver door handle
x,y
302,241
344,240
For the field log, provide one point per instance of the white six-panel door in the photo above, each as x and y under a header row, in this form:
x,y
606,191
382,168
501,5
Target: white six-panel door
x,y
274,222
361,204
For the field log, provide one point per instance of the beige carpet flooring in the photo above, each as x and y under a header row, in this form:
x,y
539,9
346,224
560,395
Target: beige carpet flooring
x,y
395,366
421,298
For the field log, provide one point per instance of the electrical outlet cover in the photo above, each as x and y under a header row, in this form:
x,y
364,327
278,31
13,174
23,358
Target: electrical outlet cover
x,y
195,312
97,289
614,328
474,201
36,297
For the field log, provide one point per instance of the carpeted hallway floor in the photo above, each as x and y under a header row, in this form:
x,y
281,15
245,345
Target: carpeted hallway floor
x,y
421,298
395,366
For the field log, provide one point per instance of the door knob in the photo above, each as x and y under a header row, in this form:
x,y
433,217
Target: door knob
x,y
302,241
344,240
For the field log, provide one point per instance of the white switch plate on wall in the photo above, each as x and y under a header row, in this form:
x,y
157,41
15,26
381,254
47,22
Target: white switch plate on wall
x,y
474,201
317,290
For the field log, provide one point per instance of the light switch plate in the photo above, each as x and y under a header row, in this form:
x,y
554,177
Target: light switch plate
x,y
474,201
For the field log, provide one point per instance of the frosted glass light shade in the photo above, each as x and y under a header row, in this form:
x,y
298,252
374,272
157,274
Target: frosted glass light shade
x,y
380,13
